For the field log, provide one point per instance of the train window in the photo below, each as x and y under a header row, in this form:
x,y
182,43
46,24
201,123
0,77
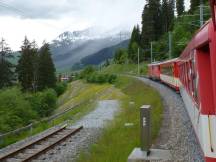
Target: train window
x,y
183,76
194,80
167,70
190,77
186,76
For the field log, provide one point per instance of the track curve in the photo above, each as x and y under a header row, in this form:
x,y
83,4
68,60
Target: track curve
x,y
176,133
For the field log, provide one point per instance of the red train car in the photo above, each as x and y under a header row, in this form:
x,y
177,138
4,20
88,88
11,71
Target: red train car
x,y
195,71
166,71
170,73
154,71
198,78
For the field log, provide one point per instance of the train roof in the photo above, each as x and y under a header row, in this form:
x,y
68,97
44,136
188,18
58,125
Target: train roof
x,y
164,62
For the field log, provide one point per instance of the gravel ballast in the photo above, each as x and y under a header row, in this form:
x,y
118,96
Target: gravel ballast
x,y
176,133
93,124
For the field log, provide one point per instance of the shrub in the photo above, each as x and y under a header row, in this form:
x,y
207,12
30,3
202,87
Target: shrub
x,y
120,56
15,110
60,88
101,78
44,103
86,72
112,78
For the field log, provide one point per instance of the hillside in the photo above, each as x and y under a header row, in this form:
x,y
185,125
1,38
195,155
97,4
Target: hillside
x,y
104,54
70,47
125,69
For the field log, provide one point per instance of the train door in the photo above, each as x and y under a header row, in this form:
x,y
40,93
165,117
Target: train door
x,y
205,86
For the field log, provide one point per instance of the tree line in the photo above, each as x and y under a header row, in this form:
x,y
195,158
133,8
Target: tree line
x,y
158,18
28,89
35,70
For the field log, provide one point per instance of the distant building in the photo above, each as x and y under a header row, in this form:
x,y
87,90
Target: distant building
x,y
64,79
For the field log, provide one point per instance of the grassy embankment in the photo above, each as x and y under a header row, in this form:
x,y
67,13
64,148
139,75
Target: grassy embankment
x,y
80,95
131,69
118,140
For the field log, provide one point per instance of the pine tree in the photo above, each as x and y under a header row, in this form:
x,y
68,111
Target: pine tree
x,y
171,13
35,59
151,22
167,14
25,68
46,69
194,4
180,7
6,68
147,27
135,38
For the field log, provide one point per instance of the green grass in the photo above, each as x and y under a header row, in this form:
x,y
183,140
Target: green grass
x,y
126,69
117,140
71,116
78,93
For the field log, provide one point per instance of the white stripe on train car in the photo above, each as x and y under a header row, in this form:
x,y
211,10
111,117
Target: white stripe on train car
x,y
204,125
170,80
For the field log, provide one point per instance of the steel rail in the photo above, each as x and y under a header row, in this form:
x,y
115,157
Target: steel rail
x,y
25,147
46,148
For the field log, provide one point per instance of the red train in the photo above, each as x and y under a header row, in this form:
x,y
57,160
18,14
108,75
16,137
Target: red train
x,y
166,72
194,75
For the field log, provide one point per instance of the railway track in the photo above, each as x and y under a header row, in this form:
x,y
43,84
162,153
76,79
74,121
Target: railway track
x,y
36,148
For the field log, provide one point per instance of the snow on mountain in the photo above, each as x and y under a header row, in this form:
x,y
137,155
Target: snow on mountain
x,y
91,34
70,47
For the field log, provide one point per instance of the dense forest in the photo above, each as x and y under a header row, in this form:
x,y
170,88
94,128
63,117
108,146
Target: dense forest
x,y
161,21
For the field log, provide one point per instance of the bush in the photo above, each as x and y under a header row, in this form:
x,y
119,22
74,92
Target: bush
x,y
86,72
112,78
101,78
15,110
121,56
60,88
44,103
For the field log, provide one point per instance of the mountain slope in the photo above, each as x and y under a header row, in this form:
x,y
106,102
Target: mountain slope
x,y
70,47
104,54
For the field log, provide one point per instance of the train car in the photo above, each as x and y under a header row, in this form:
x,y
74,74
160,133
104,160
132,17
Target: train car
x,y
169,73
197,74
166,71
154,71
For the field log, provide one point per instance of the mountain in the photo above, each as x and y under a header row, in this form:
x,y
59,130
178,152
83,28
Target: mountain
x,y
70,47
104,54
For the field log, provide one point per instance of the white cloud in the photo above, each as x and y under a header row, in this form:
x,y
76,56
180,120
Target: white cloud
x,y
187,4
15,29
45,19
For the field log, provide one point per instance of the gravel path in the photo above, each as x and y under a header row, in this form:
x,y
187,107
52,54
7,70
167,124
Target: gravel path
x,y
100,116
176,133
93,124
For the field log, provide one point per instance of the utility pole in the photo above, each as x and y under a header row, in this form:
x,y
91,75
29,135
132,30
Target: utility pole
x,y
201,13
138,61
120,35
170,45
151,52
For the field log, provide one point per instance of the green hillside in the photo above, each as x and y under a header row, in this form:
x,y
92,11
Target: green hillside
x,y
125,69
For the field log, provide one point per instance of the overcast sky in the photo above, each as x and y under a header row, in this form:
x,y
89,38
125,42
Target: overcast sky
x,y
46,19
